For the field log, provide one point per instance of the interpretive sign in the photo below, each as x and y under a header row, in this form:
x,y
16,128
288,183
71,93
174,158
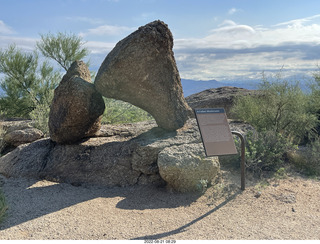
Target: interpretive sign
x,y
215,131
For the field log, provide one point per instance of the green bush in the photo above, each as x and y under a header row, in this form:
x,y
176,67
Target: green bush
x,y
281,107
266,151
314,157
307,159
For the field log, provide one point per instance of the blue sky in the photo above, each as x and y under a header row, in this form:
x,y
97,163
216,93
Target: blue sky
x,y
222,40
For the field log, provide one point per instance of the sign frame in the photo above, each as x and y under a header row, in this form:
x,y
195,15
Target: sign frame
x,y
215,132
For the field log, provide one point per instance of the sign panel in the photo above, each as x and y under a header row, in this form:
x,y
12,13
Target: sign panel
x,y
215,131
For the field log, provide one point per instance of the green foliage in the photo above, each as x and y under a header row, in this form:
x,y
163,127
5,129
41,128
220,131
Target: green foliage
x,y
307,159
313,157
118,112
63,48
266,151
26,83
314,104
281,107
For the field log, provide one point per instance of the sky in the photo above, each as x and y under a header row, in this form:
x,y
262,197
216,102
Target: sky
x,y
227,40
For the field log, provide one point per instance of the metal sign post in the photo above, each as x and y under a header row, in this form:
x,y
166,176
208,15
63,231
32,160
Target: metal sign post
x,y
217,137
243,154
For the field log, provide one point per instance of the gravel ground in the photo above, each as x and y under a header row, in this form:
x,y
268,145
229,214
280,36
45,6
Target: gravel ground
x,y
282,209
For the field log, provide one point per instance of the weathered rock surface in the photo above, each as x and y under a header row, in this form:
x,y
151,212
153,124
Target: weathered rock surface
x,y
17,132
12,125
222,97
120,155
76,108
112,160
141,70
186,168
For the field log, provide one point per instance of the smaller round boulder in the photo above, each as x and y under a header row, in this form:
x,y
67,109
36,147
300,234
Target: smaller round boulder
x,y
76,108
185,168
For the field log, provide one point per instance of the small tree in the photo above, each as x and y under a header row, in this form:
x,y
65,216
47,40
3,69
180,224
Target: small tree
x,y
63,48
25,83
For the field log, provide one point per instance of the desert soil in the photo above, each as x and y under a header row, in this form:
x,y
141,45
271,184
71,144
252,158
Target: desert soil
x,y
278,209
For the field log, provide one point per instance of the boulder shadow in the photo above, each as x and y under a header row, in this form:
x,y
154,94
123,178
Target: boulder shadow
x,y
30,199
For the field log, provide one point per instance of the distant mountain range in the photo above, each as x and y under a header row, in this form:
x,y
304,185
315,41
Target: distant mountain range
x,y
194,86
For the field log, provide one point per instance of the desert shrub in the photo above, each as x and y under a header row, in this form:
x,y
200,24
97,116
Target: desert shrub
x,y
313,157
266,151
281,107
117,112
314,103
307,158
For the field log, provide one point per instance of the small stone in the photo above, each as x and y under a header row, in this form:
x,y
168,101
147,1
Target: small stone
x,y
258,194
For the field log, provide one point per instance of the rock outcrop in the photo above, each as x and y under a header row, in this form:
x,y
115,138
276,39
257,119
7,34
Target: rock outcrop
x,y
141,70
121,155
222,97
109,160
76,108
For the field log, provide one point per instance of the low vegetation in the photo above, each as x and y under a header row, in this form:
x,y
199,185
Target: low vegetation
x,y
119,112
286,120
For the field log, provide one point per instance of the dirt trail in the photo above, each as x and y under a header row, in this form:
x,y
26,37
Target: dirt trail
x,y
285,209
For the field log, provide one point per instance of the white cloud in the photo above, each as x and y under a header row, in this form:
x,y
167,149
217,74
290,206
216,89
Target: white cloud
x,y
233,11
298,22
108,30
27,44
5,29
99,47
233,50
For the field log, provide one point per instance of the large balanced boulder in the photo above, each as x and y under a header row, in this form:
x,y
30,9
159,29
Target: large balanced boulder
x,y
186,168
76,108
141,70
